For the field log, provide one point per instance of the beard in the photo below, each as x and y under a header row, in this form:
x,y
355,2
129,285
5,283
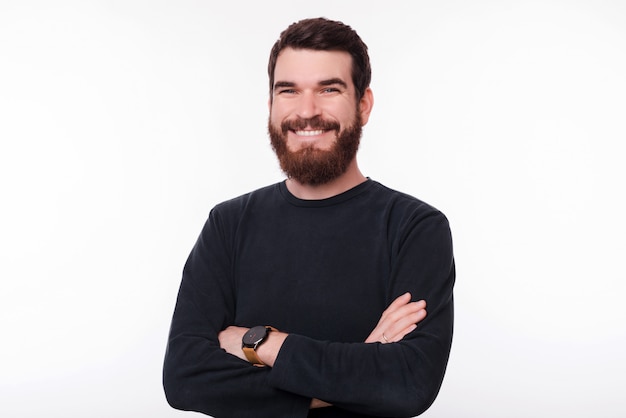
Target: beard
x,y
310,165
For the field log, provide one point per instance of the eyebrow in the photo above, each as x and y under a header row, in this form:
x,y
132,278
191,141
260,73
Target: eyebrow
x,y
281,84
333,81
323,83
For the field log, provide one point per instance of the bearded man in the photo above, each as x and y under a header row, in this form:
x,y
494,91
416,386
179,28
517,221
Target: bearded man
x,y
308,297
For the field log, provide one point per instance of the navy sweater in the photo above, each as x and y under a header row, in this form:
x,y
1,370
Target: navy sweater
x,y
322,271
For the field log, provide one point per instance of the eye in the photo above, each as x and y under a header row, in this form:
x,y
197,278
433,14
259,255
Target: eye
x,y
287,91
330,90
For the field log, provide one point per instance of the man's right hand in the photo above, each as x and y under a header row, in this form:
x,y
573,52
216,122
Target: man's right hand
x,y
399,319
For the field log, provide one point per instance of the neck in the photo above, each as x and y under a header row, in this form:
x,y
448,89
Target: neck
x,y
348,180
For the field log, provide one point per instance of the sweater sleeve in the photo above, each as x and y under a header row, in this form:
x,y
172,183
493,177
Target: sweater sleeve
x,y
397,379
200,376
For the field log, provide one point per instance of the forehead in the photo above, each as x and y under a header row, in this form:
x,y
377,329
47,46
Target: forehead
x,y
303,66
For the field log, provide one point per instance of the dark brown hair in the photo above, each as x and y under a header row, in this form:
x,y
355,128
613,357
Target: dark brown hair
x,y
322,34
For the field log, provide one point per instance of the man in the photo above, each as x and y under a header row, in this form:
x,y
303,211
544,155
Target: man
x,y
308,297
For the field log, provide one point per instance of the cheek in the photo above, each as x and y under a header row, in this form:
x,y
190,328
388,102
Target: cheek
x,y
274,119
278,111
344,114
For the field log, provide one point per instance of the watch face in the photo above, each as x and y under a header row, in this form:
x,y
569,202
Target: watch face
x,y
254,336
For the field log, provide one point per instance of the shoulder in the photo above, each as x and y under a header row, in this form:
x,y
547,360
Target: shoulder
x,y
225,218
404,204
406,216
238,204
413,223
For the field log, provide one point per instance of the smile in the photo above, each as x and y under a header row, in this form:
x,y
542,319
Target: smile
x,y
309,133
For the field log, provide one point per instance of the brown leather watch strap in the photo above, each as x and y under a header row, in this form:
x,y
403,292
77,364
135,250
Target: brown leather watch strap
x,y
251,354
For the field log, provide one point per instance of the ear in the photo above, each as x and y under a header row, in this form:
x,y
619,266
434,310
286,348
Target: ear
x,y
366,103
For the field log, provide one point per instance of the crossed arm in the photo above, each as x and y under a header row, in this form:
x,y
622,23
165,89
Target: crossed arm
x,y
399,319
204,368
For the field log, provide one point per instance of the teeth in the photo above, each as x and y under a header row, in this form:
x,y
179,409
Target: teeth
x,y
309,133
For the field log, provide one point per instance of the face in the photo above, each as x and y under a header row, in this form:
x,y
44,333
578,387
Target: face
x,y
315,118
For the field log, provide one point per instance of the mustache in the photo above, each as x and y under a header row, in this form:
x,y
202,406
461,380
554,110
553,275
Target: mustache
x,y
315,122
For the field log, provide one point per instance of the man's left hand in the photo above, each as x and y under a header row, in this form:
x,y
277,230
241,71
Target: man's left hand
x,y
230,340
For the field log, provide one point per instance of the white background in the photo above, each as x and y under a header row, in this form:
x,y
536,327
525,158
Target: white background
x,y
123,122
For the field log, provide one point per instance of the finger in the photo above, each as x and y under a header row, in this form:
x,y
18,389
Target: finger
x,y
399,316
402,305
394,338
398,302
403,333
395,321
399,328
402,311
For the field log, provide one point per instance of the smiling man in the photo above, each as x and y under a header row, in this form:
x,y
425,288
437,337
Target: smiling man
x,y
308,297
316,117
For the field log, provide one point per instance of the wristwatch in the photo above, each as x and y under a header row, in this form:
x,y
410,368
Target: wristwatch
x,y
252,339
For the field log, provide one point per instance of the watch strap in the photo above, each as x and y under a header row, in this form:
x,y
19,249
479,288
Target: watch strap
x,y
252,356
250,352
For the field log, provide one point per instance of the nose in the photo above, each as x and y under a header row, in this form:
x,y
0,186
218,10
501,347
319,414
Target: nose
x,y
308,106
